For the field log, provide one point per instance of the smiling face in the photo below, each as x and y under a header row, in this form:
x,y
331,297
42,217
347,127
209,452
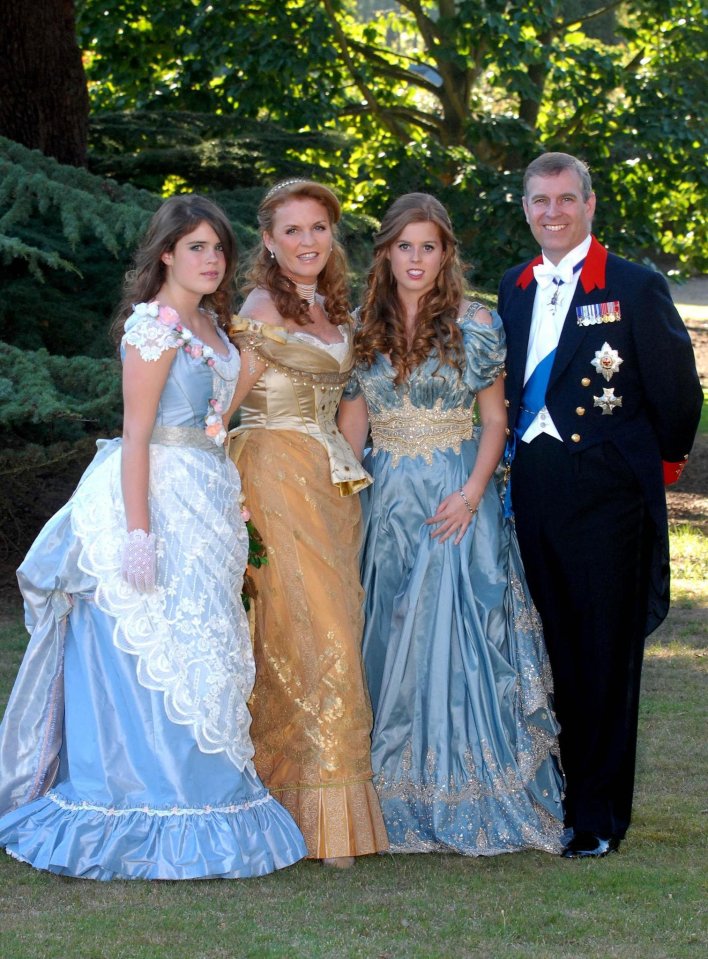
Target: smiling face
x,y
197,263
301,238
558,215
416,257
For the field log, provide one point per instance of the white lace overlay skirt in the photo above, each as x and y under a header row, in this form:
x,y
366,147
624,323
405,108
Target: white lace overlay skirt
x,y
191,635
125,747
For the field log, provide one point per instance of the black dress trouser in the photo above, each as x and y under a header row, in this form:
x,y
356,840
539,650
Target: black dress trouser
x,y
585,542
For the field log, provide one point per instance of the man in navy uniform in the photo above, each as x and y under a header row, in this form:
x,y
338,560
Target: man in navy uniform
x,y
601,387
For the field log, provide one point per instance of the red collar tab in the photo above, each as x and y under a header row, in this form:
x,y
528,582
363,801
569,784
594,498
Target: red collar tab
x,y
526,274
592,274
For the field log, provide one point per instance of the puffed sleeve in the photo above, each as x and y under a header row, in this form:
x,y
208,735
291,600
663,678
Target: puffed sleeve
x,y
151,329
485,349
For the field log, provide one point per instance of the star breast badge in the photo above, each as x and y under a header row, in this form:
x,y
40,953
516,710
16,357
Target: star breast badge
x,y
608,401
607,361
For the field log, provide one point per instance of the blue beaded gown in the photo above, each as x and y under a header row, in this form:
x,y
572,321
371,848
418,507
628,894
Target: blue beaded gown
x,y
125,749
464,746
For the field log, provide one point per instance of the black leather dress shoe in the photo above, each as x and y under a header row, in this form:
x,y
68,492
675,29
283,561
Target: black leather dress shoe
x,y
585,845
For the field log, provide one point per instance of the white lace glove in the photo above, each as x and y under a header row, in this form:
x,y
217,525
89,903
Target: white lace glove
x,y
139,561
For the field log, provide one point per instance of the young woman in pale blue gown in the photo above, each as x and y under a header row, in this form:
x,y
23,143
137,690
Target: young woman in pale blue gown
x,y
125,748
464,746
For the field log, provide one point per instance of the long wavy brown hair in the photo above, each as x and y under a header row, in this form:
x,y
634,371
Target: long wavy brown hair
x,y
382,328
175,218
264,272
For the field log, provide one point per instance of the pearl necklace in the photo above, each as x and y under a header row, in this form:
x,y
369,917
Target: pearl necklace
x,y
306,291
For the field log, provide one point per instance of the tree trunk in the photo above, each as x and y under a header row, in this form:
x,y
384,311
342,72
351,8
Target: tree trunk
x,y
44,101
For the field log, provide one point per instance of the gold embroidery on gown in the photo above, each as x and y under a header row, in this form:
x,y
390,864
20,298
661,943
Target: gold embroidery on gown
x,y
311,713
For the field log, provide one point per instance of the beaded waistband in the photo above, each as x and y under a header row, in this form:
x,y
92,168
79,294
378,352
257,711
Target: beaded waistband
x,y
191,436
410,430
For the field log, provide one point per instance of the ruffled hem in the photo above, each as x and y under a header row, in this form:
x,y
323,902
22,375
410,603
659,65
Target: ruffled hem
x,y
238,841
337,820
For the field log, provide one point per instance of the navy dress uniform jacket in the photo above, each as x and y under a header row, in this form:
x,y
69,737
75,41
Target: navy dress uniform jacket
x,y
657,382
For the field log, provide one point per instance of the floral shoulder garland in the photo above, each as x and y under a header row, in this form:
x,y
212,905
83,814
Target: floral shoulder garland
x,y
181,337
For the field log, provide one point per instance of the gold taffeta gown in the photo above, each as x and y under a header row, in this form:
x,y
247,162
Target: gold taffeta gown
x,y
311,712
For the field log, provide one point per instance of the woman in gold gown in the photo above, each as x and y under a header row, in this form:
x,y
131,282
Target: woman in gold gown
x,y
311,713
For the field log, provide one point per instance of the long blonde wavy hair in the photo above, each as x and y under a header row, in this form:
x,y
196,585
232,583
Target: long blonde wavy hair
x,y
264,272
382,328
177,217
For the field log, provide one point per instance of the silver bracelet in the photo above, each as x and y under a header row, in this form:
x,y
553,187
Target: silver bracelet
x,y
467,502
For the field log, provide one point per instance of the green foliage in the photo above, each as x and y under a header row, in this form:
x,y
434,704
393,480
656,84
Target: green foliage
x,y
256,58
65,241
46,398
161,150
33,185
635,113
257,557
454,97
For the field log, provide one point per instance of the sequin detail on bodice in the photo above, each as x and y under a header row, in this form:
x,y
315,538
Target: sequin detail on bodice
x,y
409,430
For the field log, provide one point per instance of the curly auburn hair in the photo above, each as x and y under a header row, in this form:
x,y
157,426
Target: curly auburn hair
x,y
177,217
382,328
264,272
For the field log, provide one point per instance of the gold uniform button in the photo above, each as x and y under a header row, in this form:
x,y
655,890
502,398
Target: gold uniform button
x,y
585,381
580,410
575,437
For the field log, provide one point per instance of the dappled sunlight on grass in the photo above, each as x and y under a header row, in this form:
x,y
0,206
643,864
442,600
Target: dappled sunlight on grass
x,y
675,650
685,592
689,555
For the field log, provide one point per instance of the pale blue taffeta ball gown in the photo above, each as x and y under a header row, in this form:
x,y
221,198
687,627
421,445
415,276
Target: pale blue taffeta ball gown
x,y
465,741
125,748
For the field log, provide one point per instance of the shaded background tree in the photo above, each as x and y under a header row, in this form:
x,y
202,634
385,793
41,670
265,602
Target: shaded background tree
x,y
44,102
377,97
453,96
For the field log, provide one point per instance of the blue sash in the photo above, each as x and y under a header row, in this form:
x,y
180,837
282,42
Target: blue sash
x,y
533,398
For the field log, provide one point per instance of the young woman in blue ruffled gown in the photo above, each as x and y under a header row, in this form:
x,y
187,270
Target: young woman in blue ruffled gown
x,y
465,742
125,748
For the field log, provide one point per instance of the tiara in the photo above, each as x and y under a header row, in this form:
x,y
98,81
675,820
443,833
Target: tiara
x,y
283,185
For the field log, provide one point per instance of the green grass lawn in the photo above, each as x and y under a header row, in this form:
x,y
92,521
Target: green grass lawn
x,y
647,902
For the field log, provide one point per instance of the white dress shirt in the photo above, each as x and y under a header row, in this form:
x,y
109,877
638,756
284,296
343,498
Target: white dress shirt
x,y
546,324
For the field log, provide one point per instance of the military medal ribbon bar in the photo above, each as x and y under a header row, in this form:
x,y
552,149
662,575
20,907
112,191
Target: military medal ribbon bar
x,y
593,313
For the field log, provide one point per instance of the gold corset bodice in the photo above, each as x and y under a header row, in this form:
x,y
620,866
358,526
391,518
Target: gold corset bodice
x,y
299,391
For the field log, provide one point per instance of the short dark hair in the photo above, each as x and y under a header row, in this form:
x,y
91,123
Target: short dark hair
x,y
551,164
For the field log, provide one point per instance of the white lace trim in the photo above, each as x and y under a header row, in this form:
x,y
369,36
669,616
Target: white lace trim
x,y
336,350
145,331
190,635
85,806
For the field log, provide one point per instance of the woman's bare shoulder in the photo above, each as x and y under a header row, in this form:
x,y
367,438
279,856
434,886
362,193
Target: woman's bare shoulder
x,y
259,305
